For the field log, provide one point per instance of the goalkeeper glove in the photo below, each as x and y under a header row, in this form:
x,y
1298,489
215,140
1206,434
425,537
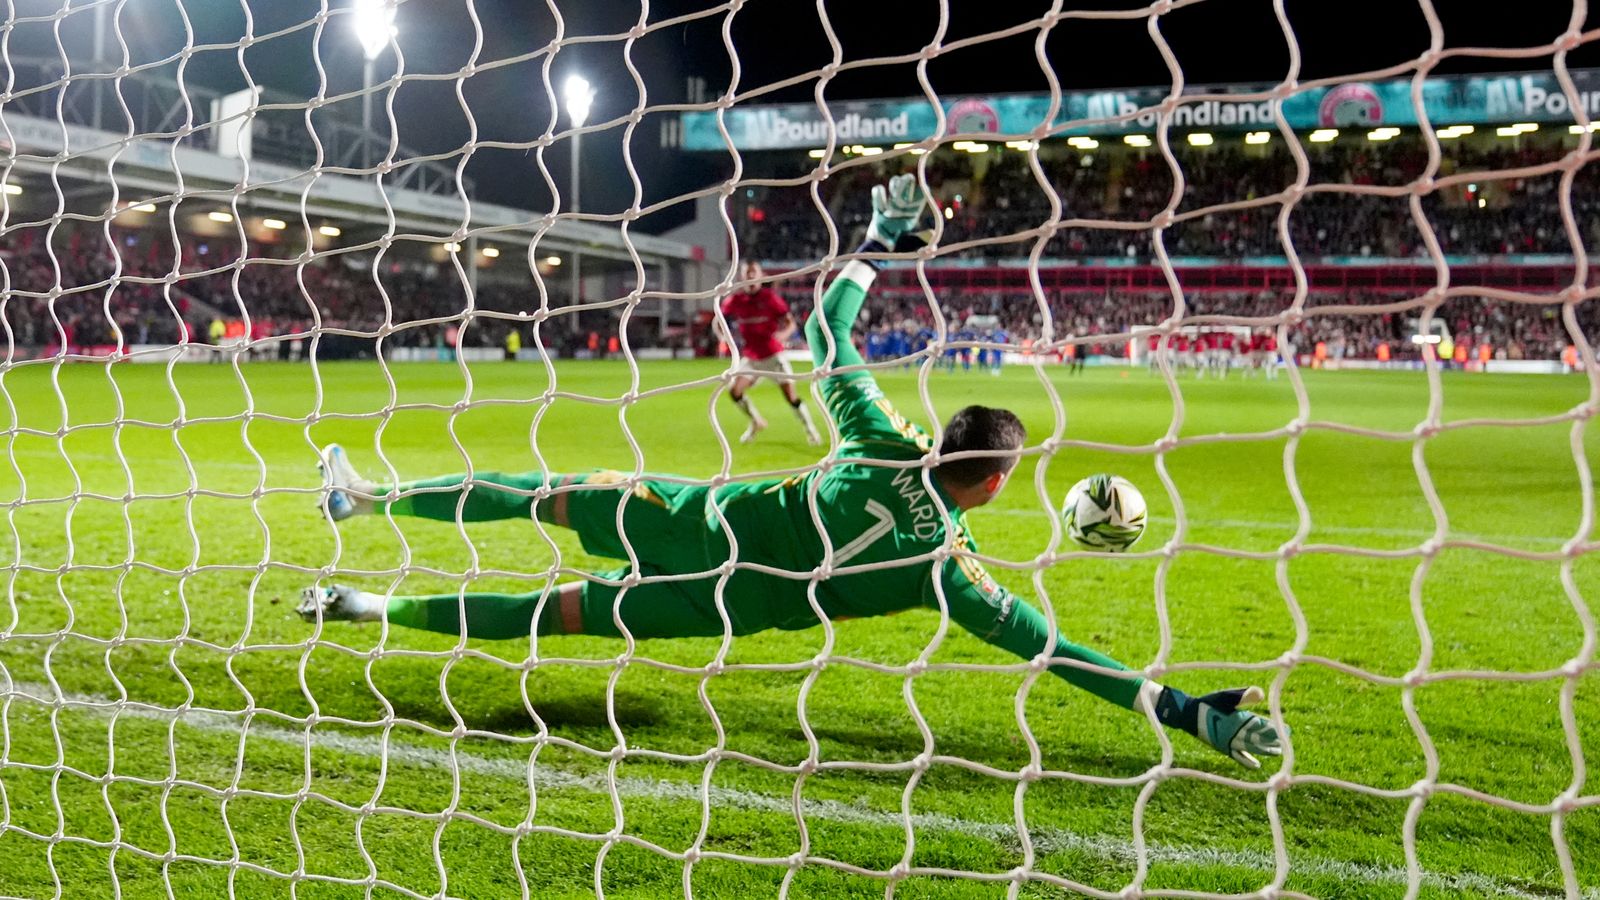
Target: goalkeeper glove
x,y
1217,719
895,210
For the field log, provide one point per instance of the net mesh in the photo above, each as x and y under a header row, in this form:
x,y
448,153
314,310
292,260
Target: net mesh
x,y
191,703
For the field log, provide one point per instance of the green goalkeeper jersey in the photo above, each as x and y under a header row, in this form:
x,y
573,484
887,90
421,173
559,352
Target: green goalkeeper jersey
x,y
881,509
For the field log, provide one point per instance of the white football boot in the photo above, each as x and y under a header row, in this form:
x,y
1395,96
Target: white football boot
x,y
334,603
342,479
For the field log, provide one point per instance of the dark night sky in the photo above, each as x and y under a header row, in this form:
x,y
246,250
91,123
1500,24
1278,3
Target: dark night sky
x,y
1215,41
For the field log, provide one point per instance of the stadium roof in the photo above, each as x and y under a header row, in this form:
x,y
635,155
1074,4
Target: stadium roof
x,y
91,140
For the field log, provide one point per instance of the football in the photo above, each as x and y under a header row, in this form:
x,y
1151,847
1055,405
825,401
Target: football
x,y
1104,512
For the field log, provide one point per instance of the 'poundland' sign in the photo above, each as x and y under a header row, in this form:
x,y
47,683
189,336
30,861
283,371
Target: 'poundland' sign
x,y
1451,100
773,128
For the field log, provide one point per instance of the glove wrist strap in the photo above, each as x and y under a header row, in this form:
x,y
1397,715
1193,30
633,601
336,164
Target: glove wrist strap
x,y
1175,709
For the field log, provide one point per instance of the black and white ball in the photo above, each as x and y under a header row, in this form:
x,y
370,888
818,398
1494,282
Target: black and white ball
x,y
1104,512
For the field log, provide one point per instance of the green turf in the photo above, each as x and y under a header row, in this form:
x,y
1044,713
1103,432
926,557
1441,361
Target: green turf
x,y
184,596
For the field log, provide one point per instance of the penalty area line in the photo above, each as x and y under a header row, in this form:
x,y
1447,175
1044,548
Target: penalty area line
x,y
1290,527
1045,840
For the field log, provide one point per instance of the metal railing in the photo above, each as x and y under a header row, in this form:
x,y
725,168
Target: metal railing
x,y
158,105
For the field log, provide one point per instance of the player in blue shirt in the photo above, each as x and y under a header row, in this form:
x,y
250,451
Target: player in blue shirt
x,y
997,356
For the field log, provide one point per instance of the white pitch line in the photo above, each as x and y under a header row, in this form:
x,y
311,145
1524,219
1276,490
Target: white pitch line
x,y
302,473
1289,527
1045,840
137,463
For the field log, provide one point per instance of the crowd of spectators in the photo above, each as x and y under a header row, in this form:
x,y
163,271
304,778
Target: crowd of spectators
x,y
996,198
1510,330
429,301
90,293
83,310
80,291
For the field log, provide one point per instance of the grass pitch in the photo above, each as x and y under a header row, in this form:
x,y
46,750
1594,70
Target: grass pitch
x,y
362,762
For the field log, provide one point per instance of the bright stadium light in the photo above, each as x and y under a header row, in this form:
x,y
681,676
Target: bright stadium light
x,y
452,247
1258,137
1383,134
491,252
578,96
373,22
1082,143
144,208
970,146
274,224
868,151
1137,140
1579,129
1508,131
816,154
1200,139
1323,135
552,261
13,190
329,231
217,216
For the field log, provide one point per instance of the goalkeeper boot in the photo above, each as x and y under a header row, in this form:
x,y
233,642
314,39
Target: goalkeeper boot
x,y
343,483
337,603
1217,719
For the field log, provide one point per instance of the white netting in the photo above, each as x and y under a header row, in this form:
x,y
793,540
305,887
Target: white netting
x,y
142,754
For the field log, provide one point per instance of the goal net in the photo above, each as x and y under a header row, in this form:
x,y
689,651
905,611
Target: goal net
x,y
234,234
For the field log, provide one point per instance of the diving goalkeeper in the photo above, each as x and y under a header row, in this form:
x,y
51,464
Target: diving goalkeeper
x,y
888,532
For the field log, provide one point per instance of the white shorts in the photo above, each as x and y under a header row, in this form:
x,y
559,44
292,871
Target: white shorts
x,y
774,364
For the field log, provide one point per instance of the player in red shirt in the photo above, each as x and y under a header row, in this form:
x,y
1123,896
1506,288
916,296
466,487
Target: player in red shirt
x,y
763,322
1264,352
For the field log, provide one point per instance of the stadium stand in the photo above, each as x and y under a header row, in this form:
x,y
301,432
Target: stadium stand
x,y
995,196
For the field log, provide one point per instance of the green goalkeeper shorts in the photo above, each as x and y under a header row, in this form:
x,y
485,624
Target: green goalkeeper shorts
x,y
669,527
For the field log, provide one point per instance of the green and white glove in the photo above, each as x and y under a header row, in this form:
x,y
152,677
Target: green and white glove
x,y
895,209
1218,719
